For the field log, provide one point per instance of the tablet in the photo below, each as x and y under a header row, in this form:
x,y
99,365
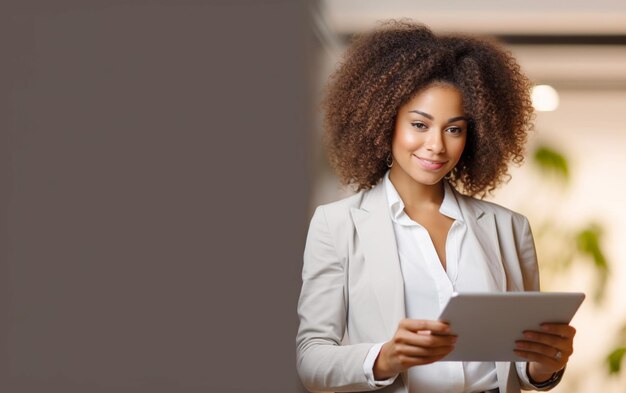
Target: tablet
x,y
488,324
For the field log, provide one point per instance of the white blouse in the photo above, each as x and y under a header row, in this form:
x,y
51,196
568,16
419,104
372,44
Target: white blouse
x,y
428,286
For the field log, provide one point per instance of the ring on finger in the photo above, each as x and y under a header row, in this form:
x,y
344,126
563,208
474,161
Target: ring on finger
x,y
558,355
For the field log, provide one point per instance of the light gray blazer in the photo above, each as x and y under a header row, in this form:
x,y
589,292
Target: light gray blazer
x,y
352,291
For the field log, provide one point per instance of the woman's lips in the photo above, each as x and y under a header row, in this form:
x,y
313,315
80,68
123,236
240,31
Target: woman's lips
x,y
430,165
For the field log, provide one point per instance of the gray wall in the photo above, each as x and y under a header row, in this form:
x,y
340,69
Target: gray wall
x,y
153,194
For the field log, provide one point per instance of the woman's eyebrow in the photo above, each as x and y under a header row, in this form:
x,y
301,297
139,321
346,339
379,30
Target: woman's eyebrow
x,y
458,118
450,120
426,115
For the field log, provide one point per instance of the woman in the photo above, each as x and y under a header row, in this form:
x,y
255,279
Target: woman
x,y
421,124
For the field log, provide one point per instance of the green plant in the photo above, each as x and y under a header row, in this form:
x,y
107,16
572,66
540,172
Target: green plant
x,y
550,160
559,240
615,357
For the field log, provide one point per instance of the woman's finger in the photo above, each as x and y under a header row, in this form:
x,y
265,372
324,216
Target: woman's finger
x,y
416,325
550,340
559,329
549,362
555,353
423,339
423,352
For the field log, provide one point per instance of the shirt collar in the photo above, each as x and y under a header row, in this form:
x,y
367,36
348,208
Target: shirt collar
x,y
449,207
396,206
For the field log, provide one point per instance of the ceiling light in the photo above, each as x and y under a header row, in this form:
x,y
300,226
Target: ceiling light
x,y
545,98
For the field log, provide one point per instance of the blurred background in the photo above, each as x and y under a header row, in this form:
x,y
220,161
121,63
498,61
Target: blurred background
x,y
571,185
160,159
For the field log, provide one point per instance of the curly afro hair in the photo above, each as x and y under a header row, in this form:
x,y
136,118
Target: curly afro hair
x,y
384,69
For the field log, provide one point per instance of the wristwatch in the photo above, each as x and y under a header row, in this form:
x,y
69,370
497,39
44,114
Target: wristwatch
x,y
552,381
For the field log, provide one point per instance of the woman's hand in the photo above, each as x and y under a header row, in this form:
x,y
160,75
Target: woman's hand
x,y
416,342
547,350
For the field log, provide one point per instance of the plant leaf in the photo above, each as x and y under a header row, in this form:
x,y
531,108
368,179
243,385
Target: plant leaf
x,y
615,359
588,241
551,160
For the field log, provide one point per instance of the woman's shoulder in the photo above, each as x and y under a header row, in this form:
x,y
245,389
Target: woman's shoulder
x,y
332,223
344,204
482,206
337,215
339,210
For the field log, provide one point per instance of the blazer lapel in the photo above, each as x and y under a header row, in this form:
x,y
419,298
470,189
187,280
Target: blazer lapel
x,y
483,226
378,242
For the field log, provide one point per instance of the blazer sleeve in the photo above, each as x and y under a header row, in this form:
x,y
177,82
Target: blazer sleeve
x,y
530,273
322,362
527,254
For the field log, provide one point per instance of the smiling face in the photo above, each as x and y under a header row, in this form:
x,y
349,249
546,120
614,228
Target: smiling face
x,y
429,135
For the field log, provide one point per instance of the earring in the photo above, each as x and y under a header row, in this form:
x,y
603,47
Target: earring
x,y
389,161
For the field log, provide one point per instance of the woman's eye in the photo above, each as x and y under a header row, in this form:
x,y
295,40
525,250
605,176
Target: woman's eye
x,y
419,125
455,130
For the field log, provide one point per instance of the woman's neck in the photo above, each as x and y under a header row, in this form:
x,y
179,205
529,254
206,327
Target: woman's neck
x,y
415,194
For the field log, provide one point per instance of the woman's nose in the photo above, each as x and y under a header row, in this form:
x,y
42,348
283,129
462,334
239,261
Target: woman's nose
x,y
435,142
